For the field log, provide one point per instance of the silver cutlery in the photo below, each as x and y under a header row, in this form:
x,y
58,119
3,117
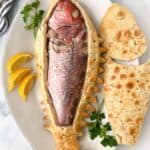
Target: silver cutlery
x,y
5,7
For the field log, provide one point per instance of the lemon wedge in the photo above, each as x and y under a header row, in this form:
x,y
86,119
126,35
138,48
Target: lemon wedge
x,y
17,60
26,85
16,77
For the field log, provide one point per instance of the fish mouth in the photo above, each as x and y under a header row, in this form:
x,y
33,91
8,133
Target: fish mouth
x,y
67,60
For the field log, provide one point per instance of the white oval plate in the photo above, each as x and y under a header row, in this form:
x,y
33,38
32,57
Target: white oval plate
x,y
28,115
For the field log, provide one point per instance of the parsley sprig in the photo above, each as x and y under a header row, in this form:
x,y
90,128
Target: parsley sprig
x,y
32,16
97,128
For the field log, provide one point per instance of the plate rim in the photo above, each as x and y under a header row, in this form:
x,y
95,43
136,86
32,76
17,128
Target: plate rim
x,y
2,79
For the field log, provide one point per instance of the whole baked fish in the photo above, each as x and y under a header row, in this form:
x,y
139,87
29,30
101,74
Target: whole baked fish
x,y
67,56
67,40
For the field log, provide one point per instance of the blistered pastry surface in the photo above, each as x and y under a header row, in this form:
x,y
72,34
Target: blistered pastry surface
x,y
122,35
127,94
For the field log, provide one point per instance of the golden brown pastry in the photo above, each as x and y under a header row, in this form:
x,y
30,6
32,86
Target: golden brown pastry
x,y
126,88
122,35
67,70
127,94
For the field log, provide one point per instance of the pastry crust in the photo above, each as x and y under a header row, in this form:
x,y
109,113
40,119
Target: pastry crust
x,y
127,94
122,36
66,137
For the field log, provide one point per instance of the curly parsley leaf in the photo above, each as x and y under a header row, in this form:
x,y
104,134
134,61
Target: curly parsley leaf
x,y
32,16
109,140
97,127
94,129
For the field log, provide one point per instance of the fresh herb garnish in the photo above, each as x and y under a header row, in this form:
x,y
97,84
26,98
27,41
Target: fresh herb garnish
x,y
97,127
32,16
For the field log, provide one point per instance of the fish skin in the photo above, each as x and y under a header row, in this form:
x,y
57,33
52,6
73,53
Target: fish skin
x,y
67,68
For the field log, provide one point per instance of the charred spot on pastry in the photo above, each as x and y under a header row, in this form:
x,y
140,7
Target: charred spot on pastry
x,y
137,33
120,15
125,51
127,34
103,49
110,115
113,77
134,94
118,86
136,102
128,119
142,85
130,85
132,75
67,60
123,76
138,120
117,69
132,131
118,36
106,88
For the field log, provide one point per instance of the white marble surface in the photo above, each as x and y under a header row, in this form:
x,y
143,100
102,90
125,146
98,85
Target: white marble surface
x,y
10,136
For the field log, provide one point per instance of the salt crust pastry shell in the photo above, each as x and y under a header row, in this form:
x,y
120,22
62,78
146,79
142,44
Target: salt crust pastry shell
x,y
127,94
122,36
66,137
